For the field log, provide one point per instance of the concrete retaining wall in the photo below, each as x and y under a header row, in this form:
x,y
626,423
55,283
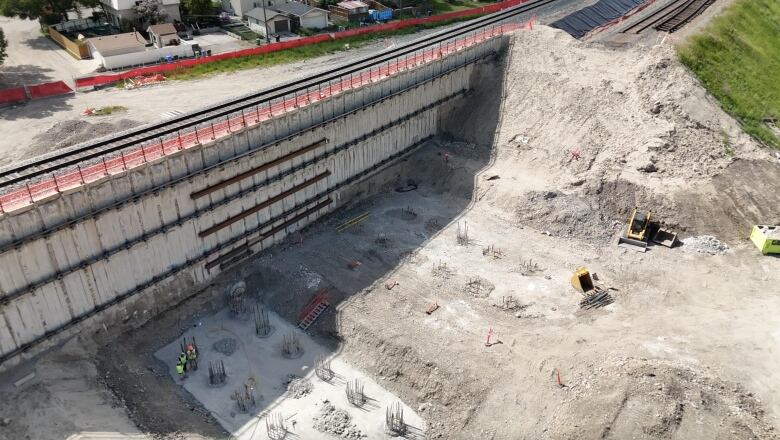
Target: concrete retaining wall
x,y
117,250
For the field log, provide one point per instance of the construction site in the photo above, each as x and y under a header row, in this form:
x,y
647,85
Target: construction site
x,y
496,231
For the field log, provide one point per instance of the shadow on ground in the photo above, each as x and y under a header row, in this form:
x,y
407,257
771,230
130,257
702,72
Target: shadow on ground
x,y
25,74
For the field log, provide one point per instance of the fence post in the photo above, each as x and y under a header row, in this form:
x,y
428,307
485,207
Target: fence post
x,y
29,193
143,152
213,136
105,166
197,140
56,186
243,117
257,114
81,176
124,164
178,135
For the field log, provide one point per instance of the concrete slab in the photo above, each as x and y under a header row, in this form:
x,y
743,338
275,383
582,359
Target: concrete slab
x,y
260,360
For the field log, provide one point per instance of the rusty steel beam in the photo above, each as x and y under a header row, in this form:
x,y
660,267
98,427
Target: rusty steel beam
x,y
244,248
208,190
246,213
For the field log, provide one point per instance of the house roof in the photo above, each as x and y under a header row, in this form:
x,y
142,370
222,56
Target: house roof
x,y
113,43
295,8
352,4
257,13
162,29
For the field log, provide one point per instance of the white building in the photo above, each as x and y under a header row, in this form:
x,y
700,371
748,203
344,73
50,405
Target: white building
x,y
119,10
286,16
259,18
131,49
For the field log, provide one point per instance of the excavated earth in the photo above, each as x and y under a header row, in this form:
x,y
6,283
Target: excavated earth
x,y
545,162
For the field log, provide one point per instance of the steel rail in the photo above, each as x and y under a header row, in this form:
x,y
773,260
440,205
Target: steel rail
x,y
48,164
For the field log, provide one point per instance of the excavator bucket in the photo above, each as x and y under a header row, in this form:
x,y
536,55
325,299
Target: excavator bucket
x,y
582,281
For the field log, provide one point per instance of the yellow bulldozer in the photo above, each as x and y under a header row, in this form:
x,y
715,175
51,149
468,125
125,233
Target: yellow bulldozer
x,y
637,233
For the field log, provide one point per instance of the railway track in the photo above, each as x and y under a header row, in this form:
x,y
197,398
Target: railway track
x,y
671,17
24,172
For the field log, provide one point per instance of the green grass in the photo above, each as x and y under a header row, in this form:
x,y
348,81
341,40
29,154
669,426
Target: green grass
x,y
441,6
737,58
292,55
102,111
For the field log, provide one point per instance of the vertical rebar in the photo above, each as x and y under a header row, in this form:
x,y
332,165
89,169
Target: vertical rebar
x,y
322,368
355,393
394,419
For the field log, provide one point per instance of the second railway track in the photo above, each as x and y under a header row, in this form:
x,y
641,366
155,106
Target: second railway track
x,y
19,173
671,17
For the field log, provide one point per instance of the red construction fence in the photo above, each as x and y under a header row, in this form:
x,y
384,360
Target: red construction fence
x,y
21,94
274,47
193,136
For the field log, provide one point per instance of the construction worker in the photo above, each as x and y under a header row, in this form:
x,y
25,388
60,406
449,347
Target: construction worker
x,y
192,357
180,369
183,360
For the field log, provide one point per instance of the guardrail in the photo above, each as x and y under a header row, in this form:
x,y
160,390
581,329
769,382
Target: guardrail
x,y
194,136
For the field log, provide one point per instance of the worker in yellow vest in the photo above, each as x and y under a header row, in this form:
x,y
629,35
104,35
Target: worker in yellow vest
x,y
180,370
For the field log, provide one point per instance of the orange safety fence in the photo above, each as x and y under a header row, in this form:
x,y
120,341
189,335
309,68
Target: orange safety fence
x,y
193,136
48,89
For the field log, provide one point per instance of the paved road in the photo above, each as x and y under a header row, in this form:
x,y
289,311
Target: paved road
x,y
33,58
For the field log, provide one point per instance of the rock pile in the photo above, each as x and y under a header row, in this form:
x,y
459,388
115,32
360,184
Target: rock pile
x,y
298,387
332,420
705,244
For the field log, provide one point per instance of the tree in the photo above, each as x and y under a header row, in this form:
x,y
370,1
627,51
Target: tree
x,y
198,7
151,11
3,46
48,11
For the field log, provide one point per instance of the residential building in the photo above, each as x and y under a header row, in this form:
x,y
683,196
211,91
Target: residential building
x,y
131,49
353,11
302,15
124,10
119,44
241,8
162,35
286,16
276,22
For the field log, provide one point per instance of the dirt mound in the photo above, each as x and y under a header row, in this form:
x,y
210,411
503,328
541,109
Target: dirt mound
x,y
660,399
565,215
338,422
75,131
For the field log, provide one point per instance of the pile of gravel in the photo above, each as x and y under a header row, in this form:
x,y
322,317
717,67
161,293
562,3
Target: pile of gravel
x,y
705,244
298,387
332,420
226,346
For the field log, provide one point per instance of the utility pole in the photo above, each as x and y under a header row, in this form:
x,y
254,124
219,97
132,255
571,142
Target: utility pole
x,y
265,21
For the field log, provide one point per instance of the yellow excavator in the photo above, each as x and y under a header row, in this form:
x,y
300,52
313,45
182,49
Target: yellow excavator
x,y
635,234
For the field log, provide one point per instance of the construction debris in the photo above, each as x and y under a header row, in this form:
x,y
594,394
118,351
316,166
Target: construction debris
x,y
596,299
352,222
705,244
432,307
298,387
337,422
390,284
